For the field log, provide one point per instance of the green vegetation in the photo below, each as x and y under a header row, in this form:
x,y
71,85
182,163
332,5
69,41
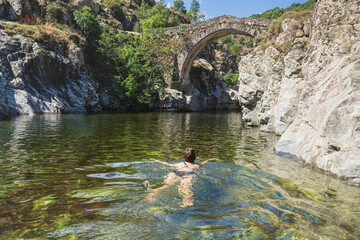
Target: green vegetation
x,y
194,14
138,63
88,23
54,12
179,6
277,12
231,78
250,43
236,49
49,32
228,40
116,7
275,27
163,18
242,40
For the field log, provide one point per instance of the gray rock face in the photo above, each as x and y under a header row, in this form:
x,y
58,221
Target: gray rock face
x,y
326,132
268,78
311,96
35,80
17,9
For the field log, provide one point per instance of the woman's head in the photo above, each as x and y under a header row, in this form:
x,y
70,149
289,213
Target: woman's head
x,y
189,155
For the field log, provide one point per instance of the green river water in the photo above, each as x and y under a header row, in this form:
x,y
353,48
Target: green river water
x,y
82,177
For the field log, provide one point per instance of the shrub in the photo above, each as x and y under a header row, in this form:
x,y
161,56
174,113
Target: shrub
x,y
146,12
226,39
277,12
242,40
264,44
155,22
231,78
284,47
250,43
116,7
54,12
275,27
236,49
86,21
181,30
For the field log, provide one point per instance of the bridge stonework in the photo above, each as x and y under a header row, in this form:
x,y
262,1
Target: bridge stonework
x,y
196,36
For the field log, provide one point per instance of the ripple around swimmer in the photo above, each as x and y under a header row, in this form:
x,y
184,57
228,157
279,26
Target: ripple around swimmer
x,y
118,175
122,164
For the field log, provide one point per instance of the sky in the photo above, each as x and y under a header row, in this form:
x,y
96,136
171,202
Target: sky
x,y
238,8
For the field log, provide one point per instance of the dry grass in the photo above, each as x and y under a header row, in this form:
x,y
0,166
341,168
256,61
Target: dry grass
x,y
264,45
51,33
262,41
284,47
275,27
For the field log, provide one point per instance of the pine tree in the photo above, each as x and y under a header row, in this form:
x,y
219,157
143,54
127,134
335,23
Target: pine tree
x,y
179,6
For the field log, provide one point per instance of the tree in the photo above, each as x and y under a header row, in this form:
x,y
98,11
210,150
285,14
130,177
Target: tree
x,y
231,78
146,12
179,6
236,49
194,14
88,24
242,40
250,43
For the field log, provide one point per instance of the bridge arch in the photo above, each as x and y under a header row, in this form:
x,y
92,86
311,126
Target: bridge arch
x,y
196,49
196,36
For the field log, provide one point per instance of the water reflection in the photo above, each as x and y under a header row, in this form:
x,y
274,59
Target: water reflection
x,y
83,176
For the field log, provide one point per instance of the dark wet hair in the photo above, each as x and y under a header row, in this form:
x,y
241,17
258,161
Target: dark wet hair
x,y
189,155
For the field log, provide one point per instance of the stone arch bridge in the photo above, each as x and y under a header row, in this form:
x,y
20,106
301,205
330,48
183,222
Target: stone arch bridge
x,y
196,36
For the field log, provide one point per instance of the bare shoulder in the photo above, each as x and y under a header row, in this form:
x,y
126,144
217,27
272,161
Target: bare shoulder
x,y
178,165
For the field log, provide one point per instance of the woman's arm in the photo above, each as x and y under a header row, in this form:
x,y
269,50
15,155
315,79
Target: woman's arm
x,y
163,163
206,161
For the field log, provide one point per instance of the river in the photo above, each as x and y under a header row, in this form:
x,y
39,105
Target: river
x,y
90,177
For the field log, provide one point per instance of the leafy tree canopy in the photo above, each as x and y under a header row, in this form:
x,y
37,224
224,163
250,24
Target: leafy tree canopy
x,y
278,12
146,12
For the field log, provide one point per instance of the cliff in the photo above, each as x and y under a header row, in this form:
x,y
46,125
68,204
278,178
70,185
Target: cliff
x,y
36,80
310,94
